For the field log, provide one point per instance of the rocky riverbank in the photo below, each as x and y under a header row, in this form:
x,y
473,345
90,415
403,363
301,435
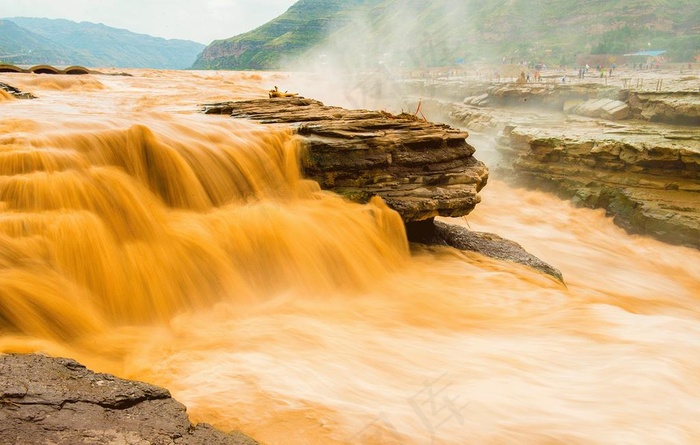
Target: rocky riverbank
x,y
634,153
45,400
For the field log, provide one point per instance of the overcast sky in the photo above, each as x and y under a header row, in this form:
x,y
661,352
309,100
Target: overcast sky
x,y
198,20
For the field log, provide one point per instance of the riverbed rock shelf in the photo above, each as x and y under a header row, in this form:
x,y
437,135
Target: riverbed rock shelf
x,y
420,169
635,153
649,184
613,103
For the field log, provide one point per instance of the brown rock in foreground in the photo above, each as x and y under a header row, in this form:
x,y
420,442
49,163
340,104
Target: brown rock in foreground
x,y
45,400
420,169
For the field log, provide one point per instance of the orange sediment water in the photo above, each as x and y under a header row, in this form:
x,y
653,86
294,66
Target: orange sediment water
x,y
150,241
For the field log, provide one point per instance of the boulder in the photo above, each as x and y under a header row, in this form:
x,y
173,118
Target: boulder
x,y
605,108
615,110
45,400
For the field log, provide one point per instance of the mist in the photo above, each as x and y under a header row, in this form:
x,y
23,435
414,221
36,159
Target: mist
x,y
359,64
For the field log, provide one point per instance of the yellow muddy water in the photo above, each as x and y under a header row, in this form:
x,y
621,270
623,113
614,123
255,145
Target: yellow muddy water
x,y
150,241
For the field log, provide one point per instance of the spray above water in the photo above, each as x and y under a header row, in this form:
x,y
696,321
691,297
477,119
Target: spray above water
x,y
186,250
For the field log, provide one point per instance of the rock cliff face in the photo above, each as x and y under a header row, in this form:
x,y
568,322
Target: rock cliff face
x,y
649,183
45,400
420,169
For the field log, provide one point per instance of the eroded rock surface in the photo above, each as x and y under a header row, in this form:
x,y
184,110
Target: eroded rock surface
x,y
610,102
45,400
600,146
649,181
420,169
681,107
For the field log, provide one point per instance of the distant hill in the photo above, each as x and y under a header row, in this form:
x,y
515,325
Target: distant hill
x,y
25,40
419,33
304,25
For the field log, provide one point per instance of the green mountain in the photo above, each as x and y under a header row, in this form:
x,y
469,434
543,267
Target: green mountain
x,y
25,40
420,33
304,25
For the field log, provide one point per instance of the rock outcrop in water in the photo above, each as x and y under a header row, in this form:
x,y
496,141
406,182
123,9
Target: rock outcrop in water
x,y
16,92
438,233
420,169
46,400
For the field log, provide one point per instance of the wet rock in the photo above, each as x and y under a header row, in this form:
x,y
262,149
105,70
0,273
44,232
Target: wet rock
x,y
642,171
438,233
541,96
45,400
16,92
420,169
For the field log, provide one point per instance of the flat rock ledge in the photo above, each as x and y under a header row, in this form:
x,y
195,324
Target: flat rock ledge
x,y
46,400
420,169
437,233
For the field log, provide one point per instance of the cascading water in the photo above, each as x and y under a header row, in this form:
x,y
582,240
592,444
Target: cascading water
x,y
150,241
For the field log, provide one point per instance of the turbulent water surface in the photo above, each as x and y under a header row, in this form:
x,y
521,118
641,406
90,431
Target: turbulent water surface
x,y
148,240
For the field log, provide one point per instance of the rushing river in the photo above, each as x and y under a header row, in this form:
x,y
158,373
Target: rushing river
x,y
150,241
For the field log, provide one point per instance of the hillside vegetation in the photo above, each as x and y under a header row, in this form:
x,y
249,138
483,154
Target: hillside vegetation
x,y
419,33
289,36
28,41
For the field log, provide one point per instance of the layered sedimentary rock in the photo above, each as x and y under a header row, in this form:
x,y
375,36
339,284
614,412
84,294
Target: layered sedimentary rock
x,y
420,169
586,99
681,108
648,181
45,400
599,146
